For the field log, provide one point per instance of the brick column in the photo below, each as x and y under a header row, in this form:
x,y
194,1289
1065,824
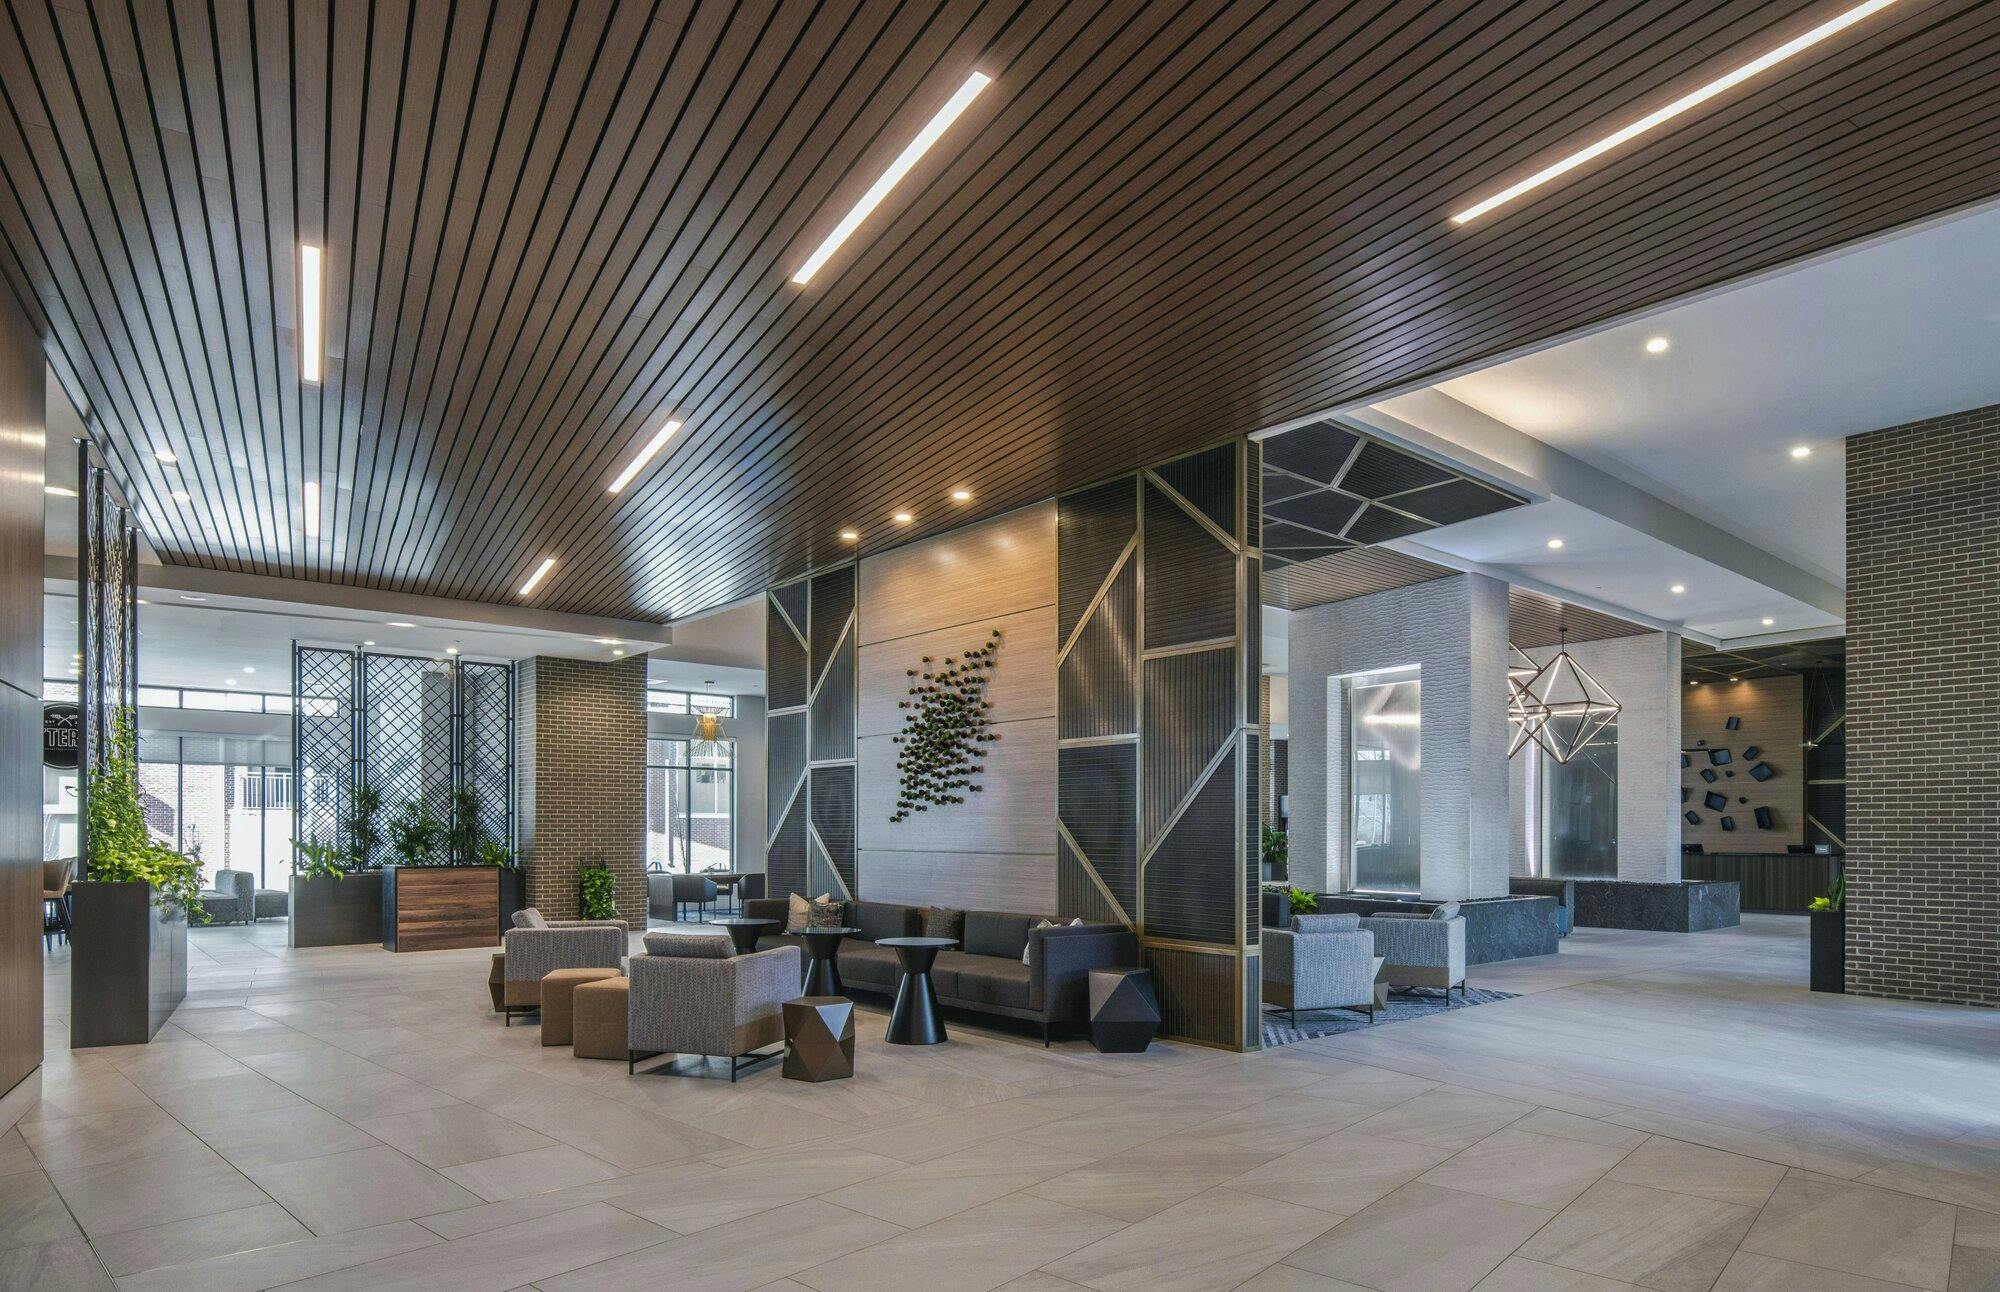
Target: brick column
x,y
580,750
1923,710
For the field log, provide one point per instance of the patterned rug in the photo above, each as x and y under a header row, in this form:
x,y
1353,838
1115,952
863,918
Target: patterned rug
x,y
1403,1006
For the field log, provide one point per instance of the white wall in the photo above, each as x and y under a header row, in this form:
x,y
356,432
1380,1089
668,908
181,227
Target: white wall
x,y
1455,630
1642,673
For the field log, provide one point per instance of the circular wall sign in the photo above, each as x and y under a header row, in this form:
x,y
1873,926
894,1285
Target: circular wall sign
x,y
61,726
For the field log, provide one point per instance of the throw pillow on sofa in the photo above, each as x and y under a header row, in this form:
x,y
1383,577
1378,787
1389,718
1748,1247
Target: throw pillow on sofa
x,y
943,922
821,912
1047,924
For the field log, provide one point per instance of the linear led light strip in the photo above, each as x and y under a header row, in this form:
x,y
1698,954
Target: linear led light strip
x,y
309,313
933,129
638,464
311,508
1652,120
541,572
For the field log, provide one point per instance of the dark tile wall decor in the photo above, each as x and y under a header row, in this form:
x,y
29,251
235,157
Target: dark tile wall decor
x,y
810,725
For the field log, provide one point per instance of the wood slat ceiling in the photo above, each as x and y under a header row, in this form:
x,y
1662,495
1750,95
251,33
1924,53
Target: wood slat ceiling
x,y
549,225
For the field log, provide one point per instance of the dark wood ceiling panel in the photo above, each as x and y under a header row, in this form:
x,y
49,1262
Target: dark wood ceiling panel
x,y
1537,620
550,225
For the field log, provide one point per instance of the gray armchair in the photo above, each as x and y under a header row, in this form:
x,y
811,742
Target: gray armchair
x,y
233,898
1422,950
693,890
535,947
690,995
1321,962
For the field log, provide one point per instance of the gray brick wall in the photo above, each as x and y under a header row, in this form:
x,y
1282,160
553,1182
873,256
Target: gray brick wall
x,y
581,754
1923,716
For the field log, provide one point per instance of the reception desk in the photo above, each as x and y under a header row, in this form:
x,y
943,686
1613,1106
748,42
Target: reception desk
x,y
440,908
1770,881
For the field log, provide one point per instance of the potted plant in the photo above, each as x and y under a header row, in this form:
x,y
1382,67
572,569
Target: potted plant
x,y
415,836
132,907
596,892
513,884
463,837
1829,938
337,887
1276,854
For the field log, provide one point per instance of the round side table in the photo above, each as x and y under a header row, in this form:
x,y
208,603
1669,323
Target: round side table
x,y
743,931
915,1020
822,965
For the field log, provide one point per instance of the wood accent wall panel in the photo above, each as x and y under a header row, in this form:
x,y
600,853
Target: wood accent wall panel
x,y
443,908
1015,812
1773,718
966,576
22,429
970,881
1022,684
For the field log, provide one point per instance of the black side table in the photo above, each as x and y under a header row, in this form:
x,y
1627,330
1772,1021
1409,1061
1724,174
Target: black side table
x,y
822,963
915,1019
819,1038
743,931
1124,1012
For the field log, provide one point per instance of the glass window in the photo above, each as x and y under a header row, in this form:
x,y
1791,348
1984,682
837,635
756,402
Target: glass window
x,y
1578,803
1385,782
54,690
691,804
219,800
664,701
160,697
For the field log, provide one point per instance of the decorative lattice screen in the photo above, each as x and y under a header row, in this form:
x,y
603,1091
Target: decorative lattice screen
x,y
322,741
486,743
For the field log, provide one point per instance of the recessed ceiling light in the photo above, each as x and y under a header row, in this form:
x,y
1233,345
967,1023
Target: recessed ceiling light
x,y
1769,622
646,454
249,668
1802,450
1660,116
367,643
961,495
849,536
1694,681
1658,345
609,641
1555,545
541,572
451,650
618,652
60,491
310,343
231,681
1679,588
311,508
165,455
1732,679
932,131
186,597
902,518
144,602
398,623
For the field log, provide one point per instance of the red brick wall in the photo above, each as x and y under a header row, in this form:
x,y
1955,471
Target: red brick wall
x,y
580,740
1923,710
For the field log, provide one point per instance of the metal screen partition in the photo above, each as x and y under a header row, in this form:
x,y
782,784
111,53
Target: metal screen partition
x,y
486,743
411,727
324,753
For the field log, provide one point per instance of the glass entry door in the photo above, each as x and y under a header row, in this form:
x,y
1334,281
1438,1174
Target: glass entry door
x,y
1385,779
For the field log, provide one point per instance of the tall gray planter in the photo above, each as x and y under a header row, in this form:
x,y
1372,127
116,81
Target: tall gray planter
x,y
128,963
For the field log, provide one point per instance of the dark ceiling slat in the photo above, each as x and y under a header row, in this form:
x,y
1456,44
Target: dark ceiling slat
x,y
549,224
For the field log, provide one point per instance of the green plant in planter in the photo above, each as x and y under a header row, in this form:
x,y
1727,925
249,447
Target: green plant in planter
x,y
1303,903
120,848
464,836
1277,847
415,835
319,860
1835,899
364,837
492,852
596,893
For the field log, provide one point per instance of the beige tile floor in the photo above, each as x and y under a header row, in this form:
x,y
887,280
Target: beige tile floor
x,y
1653,1111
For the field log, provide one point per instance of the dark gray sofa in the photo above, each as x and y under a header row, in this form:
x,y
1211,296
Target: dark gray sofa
x,y
985,974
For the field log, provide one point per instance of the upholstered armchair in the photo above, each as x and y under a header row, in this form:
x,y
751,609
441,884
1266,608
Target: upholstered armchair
x,y
1321,962
535,947
690,995
233,897
1421,949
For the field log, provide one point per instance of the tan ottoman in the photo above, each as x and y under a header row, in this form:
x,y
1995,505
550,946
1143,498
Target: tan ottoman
x,y
600,1019
558,990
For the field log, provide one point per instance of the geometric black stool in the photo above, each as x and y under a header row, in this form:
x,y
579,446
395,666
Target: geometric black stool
x,y
819,1038
1124,1012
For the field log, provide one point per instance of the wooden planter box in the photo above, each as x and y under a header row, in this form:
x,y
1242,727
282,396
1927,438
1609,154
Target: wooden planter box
x,y
1829,950
440,908
128,964
337,912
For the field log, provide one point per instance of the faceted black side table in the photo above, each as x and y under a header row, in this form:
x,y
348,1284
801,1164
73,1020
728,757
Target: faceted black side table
x,y
819,1038
1124,1012
915,1020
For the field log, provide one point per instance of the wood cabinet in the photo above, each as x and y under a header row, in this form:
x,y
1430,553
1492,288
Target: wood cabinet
x,y
438,908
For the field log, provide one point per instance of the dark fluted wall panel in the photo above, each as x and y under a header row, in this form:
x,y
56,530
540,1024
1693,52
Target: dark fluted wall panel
x,y
1095,684
1253,842
833,706
1096,800
785,858
1200,993
22,421
1207,480
833,818
1190,716
1189,895
1077,895
832,605
810,725
785,754
784,661
1190,578
1093,527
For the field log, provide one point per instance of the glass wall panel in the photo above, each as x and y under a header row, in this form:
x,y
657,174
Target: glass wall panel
x,y
1385,776
691,804
225,801
1579,810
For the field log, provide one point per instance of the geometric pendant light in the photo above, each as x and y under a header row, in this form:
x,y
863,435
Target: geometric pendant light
x,y
1562,706
1524,713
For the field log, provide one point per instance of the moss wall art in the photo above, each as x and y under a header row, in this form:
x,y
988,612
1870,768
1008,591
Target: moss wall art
x,y
944,727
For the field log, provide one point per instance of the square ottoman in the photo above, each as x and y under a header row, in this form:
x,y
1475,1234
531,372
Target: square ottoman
x,y
558,994
598,1011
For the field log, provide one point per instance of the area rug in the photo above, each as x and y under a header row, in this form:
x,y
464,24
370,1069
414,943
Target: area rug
x,y
1403,1006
